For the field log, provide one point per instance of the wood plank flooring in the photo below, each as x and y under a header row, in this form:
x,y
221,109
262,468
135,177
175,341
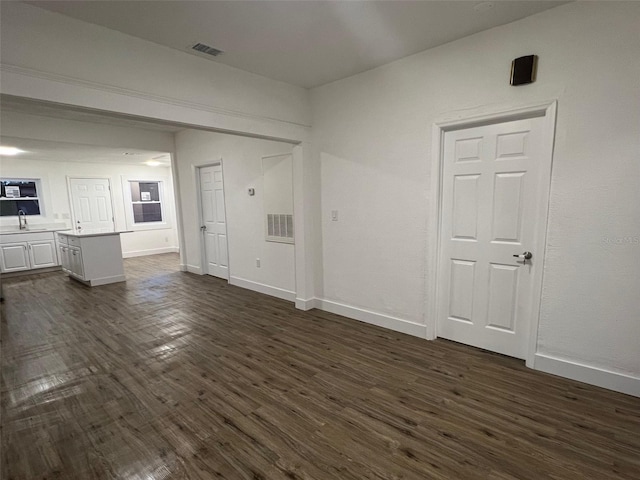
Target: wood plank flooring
x,y
177,376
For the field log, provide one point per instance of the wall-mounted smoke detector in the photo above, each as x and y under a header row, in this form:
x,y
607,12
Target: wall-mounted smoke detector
x,y
206,49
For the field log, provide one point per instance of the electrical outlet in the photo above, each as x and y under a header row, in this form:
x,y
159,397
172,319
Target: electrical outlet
x,y
334,215
258,262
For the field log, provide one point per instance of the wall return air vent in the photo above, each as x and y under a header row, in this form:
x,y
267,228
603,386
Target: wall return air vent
x,y
206,49
279,228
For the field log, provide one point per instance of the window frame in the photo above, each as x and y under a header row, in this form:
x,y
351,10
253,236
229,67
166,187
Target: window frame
x,y
165,223
38,198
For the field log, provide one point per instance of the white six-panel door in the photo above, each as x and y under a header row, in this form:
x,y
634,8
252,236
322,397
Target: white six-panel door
x,y
214,223
491,193
91,203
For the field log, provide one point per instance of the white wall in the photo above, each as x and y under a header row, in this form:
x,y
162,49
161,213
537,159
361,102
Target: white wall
x,y
242,169
56,207
372,133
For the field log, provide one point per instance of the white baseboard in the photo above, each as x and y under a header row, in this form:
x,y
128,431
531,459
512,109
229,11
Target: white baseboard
x,y
262,288
197,269
183,268
587,374
152,251
379,319
308,304
106,280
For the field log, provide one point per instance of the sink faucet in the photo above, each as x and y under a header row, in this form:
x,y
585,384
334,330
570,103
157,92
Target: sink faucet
x,y
22,219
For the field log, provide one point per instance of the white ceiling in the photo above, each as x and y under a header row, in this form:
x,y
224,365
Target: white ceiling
x,y
72,152
305,43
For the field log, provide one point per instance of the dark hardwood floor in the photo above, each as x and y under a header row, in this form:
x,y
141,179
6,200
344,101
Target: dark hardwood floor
x,y
177,376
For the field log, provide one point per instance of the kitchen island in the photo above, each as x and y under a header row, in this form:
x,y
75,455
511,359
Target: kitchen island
x,y
91,257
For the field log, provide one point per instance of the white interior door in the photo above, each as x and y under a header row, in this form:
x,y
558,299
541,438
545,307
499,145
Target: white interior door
x,y
91,204
493,205
214,223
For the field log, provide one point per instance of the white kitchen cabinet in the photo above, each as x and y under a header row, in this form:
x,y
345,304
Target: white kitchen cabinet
x,y
64,253
77,266
27,251
42,253
92,258
14,257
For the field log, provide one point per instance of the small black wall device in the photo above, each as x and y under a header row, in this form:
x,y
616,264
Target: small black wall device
x,y
523,70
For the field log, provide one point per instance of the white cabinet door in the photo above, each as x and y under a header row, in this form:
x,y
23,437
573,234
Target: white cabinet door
x,y
14,258
42,254
77,267
65,261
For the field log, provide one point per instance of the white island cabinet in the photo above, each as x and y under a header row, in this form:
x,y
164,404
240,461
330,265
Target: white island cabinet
x,y
92,258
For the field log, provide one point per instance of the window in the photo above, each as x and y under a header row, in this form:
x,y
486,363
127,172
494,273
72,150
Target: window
x,y
19,194
145,199
146,206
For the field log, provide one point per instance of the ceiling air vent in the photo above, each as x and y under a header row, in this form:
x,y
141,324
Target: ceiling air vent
x,y
202,48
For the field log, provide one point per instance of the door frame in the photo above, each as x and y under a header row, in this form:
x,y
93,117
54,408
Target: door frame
x,y
70,193
203,251
547,110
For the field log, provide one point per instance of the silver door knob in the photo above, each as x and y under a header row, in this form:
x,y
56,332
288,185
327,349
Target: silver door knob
x,y
203,228
525,255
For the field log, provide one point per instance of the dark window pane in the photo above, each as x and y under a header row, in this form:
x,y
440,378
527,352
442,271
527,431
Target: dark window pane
x,y
149,192
18,189
11,207
147,212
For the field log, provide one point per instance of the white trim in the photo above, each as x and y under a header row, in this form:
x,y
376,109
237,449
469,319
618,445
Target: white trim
x,y
194,269
308,304
262,288
374,318
183,267
600,377
96,282
544,109
151,251
107,280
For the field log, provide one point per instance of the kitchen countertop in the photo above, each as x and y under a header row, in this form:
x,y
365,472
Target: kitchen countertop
x,y
91,233
13,229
